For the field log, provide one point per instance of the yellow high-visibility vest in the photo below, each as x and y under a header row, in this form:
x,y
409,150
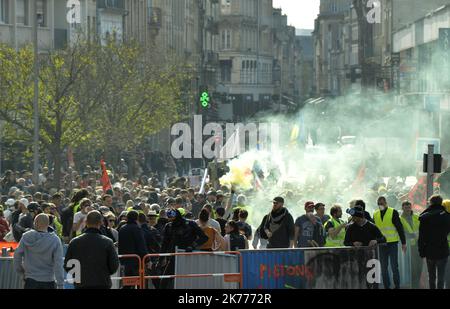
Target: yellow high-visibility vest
x,y
411,229
338,241
386,226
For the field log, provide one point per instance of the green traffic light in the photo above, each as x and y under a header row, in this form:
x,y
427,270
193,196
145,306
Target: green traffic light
x,y
204,99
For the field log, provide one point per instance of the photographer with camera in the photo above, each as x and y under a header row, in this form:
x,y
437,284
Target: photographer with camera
x,y
362,232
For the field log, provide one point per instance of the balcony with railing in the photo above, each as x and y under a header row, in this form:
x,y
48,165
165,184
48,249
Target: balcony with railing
x,y
114,5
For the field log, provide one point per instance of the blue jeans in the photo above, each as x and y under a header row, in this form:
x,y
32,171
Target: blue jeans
x,y
436,267
389,254
31,284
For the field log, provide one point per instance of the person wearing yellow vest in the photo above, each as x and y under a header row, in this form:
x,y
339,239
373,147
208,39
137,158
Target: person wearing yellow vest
x,y
411,223
433,243
387,219
335,228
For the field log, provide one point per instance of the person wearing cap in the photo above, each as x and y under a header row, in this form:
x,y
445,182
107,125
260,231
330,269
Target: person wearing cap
x,y
309,231
162,220
387,219
362,232
152,217
411,223
211,197
9,209
279,226
21,207
219,199
39,257
152,236
26,220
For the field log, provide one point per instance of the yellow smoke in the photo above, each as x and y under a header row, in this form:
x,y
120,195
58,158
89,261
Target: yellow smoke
x,y
240,175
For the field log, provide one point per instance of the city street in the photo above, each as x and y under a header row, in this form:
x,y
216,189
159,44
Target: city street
x,y
193,145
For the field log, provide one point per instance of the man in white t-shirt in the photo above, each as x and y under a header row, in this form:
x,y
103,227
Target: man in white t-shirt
x,y
79,219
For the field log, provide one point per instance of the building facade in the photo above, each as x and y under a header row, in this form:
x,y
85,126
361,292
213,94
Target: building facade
x,y
16,23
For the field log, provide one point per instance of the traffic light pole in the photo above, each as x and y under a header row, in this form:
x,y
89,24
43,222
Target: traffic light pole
x,y
430,171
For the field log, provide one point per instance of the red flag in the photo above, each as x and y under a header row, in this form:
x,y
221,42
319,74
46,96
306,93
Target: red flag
x,y
418,195
106,183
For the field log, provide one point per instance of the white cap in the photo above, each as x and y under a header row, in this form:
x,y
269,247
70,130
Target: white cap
x,y
10,202
24,201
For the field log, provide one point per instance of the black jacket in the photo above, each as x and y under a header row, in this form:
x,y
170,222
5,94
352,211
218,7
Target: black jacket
x,y
284,229
152,238
433,231
161,224
97,256
131,241
182,233
363,234
67,220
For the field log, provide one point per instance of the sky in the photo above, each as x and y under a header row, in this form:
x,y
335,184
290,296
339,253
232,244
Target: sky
x,y
301,13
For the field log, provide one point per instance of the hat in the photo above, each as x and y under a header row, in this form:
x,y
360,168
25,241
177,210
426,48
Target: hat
x,y
104,209
309,203
152,213
219,193
10,202
279,199
33,207
24,201
211,193
13,189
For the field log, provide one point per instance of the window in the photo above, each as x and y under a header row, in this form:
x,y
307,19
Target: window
x,y
225,70
226,39
3,11
41,7
22,12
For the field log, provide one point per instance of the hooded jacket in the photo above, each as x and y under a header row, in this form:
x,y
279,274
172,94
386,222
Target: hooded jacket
x,y
40,257
182,233
281,225
433,230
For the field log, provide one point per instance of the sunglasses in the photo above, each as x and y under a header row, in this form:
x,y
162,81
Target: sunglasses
x,y
112,220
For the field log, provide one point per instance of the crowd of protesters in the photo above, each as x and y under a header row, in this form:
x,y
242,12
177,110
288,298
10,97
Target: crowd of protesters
x,y
152,216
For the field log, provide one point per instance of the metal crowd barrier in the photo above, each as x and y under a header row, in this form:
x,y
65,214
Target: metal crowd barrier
x,y
230,277
131,281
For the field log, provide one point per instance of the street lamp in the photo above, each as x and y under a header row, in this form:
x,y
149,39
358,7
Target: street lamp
x,y
36,97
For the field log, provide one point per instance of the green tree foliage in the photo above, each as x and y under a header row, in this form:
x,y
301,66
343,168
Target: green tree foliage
x,y
109,96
